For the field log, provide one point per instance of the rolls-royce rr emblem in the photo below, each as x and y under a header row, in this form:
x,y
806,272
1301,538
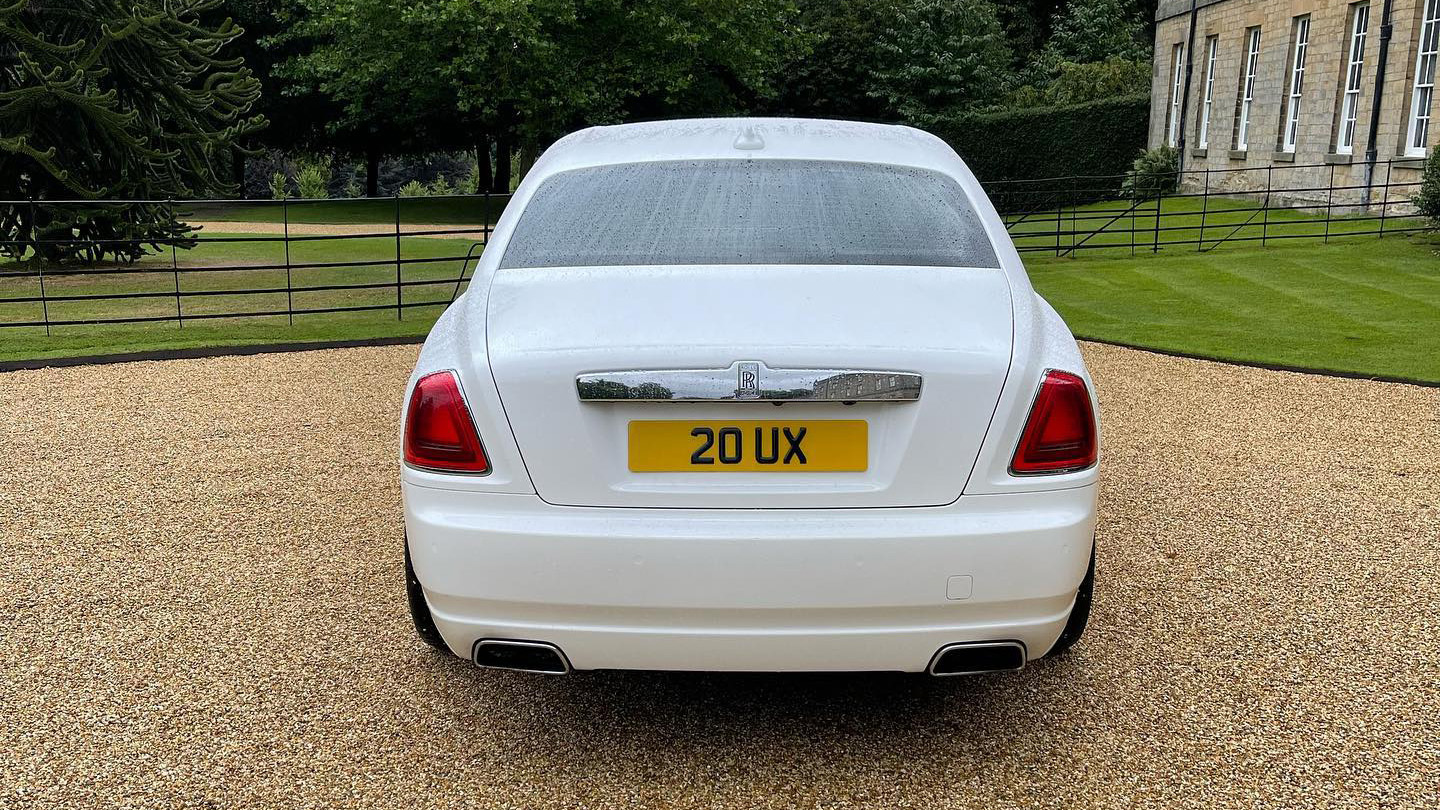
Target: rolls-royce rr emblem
x,y
749,382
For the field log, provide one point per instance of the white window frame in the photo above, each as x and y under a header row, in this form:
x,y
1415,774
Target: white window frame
x,y
1296,93
1247,89
1212,47
1354,77
1422,94
1172,134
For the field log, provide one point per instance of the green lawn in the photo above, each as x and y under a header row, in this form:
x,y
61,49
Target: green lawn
x,y
1122,228
431,273
458,210
1357,304
1367,306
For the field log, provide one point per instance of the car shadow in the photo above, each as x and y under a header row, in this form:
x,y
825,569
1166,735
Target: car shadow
x,y
660,714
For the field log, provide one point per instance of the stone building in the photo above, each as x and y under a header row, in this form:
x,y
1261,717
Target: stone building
x,y
1285,94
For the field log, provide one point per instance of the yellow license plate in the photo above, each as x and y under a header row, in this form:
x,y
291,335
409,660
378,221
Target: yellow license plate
x,y
687,445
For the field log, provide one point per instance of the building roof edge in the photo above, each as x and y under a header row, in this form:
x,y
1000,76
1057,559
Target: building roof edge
x,y
1168,9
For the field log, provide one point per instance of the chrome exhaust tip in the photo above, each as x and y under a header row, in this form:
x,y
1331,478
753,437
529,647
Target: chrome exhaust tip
x,y
520,656
973,658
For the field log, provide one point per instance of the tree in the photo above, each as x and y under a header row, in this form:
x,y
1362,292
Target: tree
x,y
1096,31
461,73
369,65
1027,25
835,76
297,116
113,98
943,57
1097,49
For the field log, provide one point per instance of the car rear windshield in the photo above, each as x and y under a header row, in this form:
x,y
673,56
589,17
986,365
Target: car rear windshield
x,y
749,211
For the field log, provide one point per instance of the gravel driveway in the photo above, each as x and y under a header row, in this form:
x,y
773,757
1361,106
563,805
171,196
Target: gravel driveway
x,y
202,607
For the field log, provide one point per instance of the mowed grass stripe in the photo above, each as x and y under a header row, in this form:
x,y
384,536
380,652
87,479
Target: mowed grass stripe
x,y
1254,292
449,210
1360,306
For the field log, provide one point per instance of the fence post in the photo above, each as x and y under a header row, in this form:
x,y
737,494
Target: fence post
x,y
1074,211
289,289
1059,218
1265,206
1204,211
1385,197
34,239
1133,209
1329,202
1155,248
175,270
399,301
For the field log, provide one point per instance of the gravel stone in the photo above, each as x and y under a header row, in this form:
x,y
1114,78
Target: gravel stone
x,y
202,607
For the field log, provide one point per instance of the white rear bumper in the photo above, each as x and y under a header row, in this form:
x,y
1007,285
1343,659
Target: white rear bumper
x,y
750,590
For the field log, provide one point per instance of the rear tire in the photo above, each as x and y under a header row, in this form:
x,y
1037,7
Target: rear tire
x,y
420,611
1080,613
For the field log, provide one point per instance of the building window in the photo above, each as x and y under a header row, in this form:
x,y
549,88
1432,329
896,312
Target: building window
x,y
1350,102
1177,67
1247,89
1424,90
1301,44
1212,45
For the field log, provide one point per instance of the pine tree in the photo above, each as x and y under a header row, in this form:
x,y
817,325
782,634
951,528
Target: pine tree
x,y
113,100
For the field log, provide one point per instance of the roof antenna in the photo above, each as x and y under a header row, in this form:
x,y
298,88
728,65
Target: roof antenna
x,y
749,140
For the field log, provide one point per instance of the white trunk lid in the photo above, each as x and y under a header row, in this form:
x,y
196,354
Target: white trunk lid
x,y
546,326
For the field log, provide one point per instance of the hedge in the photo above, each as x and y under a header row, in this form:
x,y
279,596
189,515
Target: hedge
x,y
1098,138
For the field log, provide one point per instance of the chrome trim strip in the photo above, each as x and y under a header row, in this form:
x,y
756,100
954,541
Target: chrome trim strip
x,y
749,381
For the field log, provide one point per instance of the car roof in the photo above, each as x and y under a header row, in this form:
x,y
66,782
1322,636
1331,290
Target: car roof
x,y
761,138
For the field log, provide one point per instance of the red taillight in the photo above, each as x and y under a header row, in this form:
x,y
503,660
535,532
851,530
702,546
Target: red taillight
x,y
439,434
1060,434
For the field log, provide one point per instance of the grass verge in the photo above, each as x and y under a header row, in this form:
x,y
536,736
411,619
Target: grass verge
x,y
230,278
1363,306
453,210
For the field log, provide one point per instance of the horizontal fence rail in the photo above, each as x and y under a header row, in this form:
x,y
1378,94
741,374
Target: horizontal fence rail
x,y
1211,208
384,257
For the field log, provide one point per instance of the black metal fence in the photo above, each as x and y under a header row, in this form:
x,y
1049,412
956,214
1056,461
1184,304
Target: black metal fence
x,y
274,259
1211,208
374,259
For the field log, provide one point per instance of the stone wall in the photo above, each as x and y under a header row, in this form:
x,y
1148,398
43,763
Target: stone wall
x,y
1306,174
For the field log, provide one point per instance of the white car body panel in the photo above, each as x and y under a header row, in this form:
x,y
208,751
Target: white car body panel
x,y
951,326
752,590
560,543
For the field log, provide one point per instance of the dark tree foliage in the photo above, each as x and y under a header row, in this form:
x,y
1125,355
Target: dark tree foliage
x,y
944,57
895,60
443,74
1097,30
1027,24
835,78
120,99
297,118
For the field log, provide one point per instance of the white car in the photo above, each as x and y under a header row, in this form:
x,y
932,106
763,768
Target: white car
x,y
750,395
